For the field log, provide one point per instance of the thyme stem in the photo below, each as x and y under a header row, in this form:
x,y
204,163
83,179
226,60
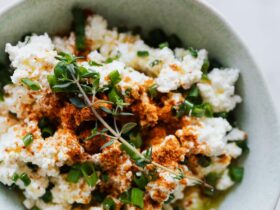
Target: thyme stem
x,y
122,140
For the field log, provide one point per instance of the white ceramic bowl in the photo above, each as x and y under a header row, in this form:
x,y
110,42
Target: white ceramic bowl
x,y
199,26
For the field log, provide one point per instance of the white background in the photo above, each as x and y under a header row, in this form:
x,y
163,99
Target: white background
x,y
258,24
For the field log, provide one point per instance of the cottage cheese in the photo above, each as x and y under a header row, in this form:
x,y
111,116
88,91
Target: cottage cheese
x,y
172,139
34,59
219,91
212,132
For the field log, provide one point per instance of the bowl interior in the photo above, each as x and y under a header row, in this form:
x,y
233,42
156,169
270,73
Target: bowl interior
x,y
200,27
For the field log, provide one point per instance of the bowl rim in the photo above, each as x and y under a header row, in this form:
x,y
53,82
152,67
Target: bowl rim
x,y
8,5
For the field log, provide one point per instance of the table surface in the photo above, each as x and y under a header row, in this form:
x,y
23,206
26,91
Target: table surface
x,y
258,24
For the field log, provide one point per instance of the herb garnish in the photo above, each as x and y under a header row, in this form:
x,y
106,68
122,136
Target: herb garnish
x,y
109,204
85,170
193,105
25,179
236,173
163,45
30,84
134,196
143,53
152,91
69,77
193,52
27,139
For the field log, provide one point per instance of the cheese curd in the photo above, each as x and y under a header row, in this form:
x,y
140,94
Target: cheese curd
x,y
219,90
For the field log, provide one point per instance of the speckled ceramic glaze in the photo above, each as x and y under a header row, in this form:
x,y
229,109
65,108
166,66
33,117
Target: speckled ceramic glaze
x,y
197,25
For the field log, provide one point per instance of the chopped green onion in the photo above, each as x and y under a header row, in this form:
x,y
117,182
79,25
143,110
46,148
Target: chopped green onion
x,y
194,92
184,108
114,95
115,77
29,83
47,197
211,179
205,66
141,181
152,91
46,127
204,77
111,59
188,107
27,139
221,114
193,52
79,28
236,173
15,177
93,63
208,109
142,53
203,160
109,204
194,95
198,111
74,175
89,174
137,197
163,45
125,197
47,132
25,179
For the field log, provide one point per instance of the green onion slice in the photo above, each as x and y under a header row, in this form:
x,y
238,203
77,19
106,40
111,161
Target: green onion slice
x,y
236,173
30,84
27,139
142,53
137,197
109,204
25,179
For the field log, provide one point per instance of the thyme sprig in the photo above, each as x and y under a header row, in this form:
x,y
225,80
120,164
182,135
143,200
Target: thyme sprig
x,y
71,78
